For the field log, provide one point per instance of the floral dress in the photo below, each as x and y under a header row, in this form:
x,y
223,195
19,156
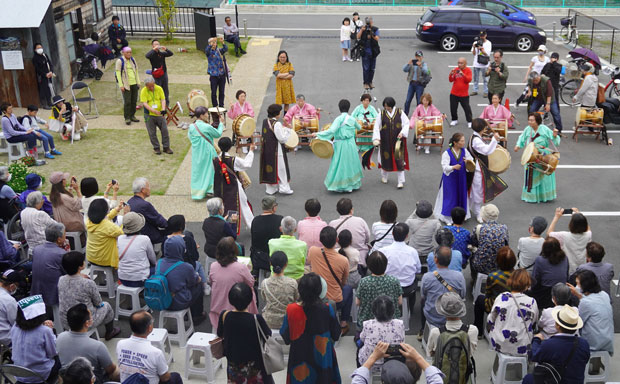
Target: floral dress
x,y
492,237
392,332
371,287
285,93
507,323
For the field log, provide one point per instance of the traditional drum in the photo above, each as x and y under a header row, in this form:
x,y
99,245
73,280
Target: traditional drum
x,y
305,122
589,116
215,113
543,163
470,166
293,141
366,126
499,126
322,148
244,178
196,98
244,125
434,124
530,153
499,160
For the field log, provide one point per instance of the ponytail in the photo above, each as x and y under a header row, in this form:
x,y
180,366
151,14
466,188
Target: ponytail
x,y
455,139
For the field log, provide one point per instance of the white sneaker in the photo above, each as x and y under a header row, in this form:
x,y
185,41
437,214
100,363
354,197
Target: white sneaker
x,y
479,219
289,192
427,150
400,186
453,123
207,289
344,59
384,180
468,125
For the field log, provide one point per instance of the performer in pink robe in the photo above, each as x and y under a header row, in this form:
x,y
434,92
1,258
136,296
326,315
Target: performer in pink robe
x,y
301,108
495,111
424,111
241,107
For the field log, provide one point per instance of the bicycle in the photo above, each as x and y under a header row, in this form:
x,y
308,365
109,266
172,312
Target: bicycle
x,y
569,32
570,88
614,82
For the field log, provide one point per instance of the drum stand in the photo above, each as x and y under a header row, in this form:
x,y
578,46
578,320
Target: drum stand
x,y
304,133
438,137
587,127
363,135
255,138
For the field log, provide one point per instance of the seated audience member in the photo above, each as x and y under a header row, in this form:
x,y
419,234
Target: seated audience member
x,y
594,262
375,285
334,268
529,247
444,237
231,35
155,224
31,121
310,227
223,275
490,236
76,343
356,225
462,237
383,327
353,255
14,132
382,230
137,355
8,206
510,333
452,306
561,295
215,228
101,247
176,226
551,267
596,311
136,257
47,265
9,252
265,227
33,183
277,291
423,226
183,280
573,241
78,371
34,220
295,249
33,341
67,207
395,371
90,188
239,329
497,282
564,349
117,36
403,262
74,288
8,306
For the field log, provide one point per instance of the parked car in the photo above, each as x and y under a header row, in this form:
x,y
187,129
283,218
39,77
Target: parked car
x,y
454,27
500,7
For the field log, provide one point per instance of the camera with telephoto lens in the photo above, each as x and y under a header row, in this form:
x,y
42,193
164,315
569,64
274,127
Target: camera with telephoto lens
x,y
367,21
478,42
493,65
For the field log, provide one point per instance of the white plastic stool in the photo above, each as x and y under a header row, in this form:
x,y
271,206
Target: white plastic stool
x,y
134,293
159,339
110,285
16,151
485,331
197,344
501,365
603,356
354,309
405,314
617,283
425,334
76,245
481,281
57,321
4,145
92,332
182,333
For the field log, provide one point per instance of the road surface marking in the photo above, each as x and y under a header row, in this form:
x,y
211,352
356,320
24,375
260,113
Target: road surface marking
x,y
510,67
599,213
566,166
563,131
512,105
505,53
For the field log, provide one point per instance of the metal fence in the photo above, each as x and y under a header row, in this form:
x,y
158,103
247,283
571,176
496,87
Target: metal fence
x,y
602,38
429,3
145,19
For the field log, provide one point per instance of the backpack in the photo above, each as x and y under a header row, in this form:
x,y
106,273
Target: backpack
x,y
21,119
157,295
453,355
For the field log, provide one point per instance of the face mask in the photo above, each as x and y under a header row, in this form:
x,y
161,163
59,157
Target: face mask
x,y
12,293
39,51
578,289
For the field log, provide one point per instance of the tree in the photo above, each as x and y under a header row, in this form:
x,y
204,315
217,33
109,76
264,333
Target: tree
x,y
167,10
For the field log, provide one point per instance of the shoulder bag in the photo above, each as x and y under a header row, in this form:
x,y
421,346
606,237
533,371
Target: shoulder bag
x,y
271,350
373,242
330,268
342,222
126,248
217,344
547,373
443,281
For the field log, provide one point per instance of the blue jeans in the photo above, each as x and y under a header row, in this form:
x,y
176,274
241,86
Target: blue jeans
x,y
47,139
346,303
414,88
369,61
29,138
477,72
201,272
555,111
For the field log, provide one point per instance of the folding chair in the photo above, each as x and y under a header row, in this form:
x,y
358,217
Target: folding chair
x,y
9,371
79,85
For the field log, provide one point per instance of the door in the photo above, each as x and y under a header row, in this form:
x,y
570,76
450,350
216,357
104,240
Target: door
x,y
468,28
498,35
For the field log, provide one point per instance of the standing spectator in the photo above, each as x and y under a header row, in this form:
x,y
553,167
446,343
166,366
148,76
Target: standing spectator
x,y
356,225
157,56
44,70
444,237
14,132
573,241
345,39
543,95
334,268
215,228
368,36
294,249
117,35
594,262
561,295
155,223
277,291
423,227
481,49
153,100
128,79
47,265
490,236
284,72
33,183
383,327
310,227
460,77
135,252
538,62
32,121
452,306
66,206
513,318
265,227
137,355
356,25
217,69
311,328
8,306
529,247
76,343
498,76
101,248
566,351
382,230
34,220
550,268
231,35
553,70
462,237
587,93
418,76
353,255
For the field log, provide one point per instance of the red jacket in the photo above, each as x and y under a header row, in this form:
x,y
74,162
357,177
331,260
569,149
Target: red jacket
x,y
460,82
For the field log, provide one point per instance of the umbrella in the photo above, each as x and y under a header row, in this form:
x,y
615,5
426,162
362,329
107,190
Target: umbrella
x,y
586,54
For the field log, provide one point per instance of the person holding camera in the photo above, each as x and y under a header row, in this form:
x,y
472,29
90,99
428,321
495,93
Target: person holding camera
x,y
157,56
356,25
460,77
369,39
153,100
481,49
498,76
418,76
217,69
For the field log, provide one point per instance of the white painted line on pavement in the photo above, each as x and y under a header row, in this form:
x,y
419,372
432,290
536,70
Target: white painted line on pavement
x,y
322,29
566,166
599,213
505,53
563,131
510,67
522,84
512,105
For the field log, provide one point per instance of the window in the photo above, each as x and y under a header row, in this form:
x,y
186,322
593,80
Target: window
x,y
446,17
470,18
69,37
427,16
495,7
98,10
487,19
471,3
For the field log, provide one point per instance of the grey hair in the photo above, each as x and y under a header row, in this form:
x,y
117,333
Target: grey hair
x,y
80,370
534,75
33,199
54,231
214,205
300,96
4,173
149,80
561,293
139,184
443,255
288,225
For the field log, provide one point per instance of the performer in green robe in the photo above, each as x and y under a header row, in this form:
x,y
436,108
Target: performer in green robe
x,y
345,171
202,135
538,187
365,113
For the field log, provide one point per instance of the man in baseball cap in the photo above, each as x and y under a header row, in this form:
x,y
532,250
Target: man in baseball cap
x,y
418,76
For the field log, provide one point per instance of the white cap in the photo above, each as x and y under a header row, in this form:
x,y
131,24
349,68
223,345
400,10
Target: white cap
x,y
542,47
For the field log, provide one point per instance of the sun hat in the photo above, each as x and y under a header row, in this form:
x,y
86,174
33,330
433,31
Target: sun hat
x,y
57,177
450,304
567,317
57,99
133,223
33,180
489,212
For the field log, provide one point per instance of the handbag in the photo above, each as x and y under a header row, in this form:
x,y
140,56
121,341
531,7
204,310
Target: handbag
x,y
547,373
217,344
273,356
483,59
158,72
330,269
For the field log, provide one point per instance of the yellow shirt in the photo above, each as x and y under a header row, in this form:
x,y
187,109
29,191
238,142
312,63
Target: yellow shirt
x,y
101,248
153,98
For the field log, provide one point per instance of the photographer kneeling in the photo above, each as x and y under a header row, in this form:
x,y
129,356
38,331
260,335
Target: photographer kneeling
x,y
369,40
153,99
